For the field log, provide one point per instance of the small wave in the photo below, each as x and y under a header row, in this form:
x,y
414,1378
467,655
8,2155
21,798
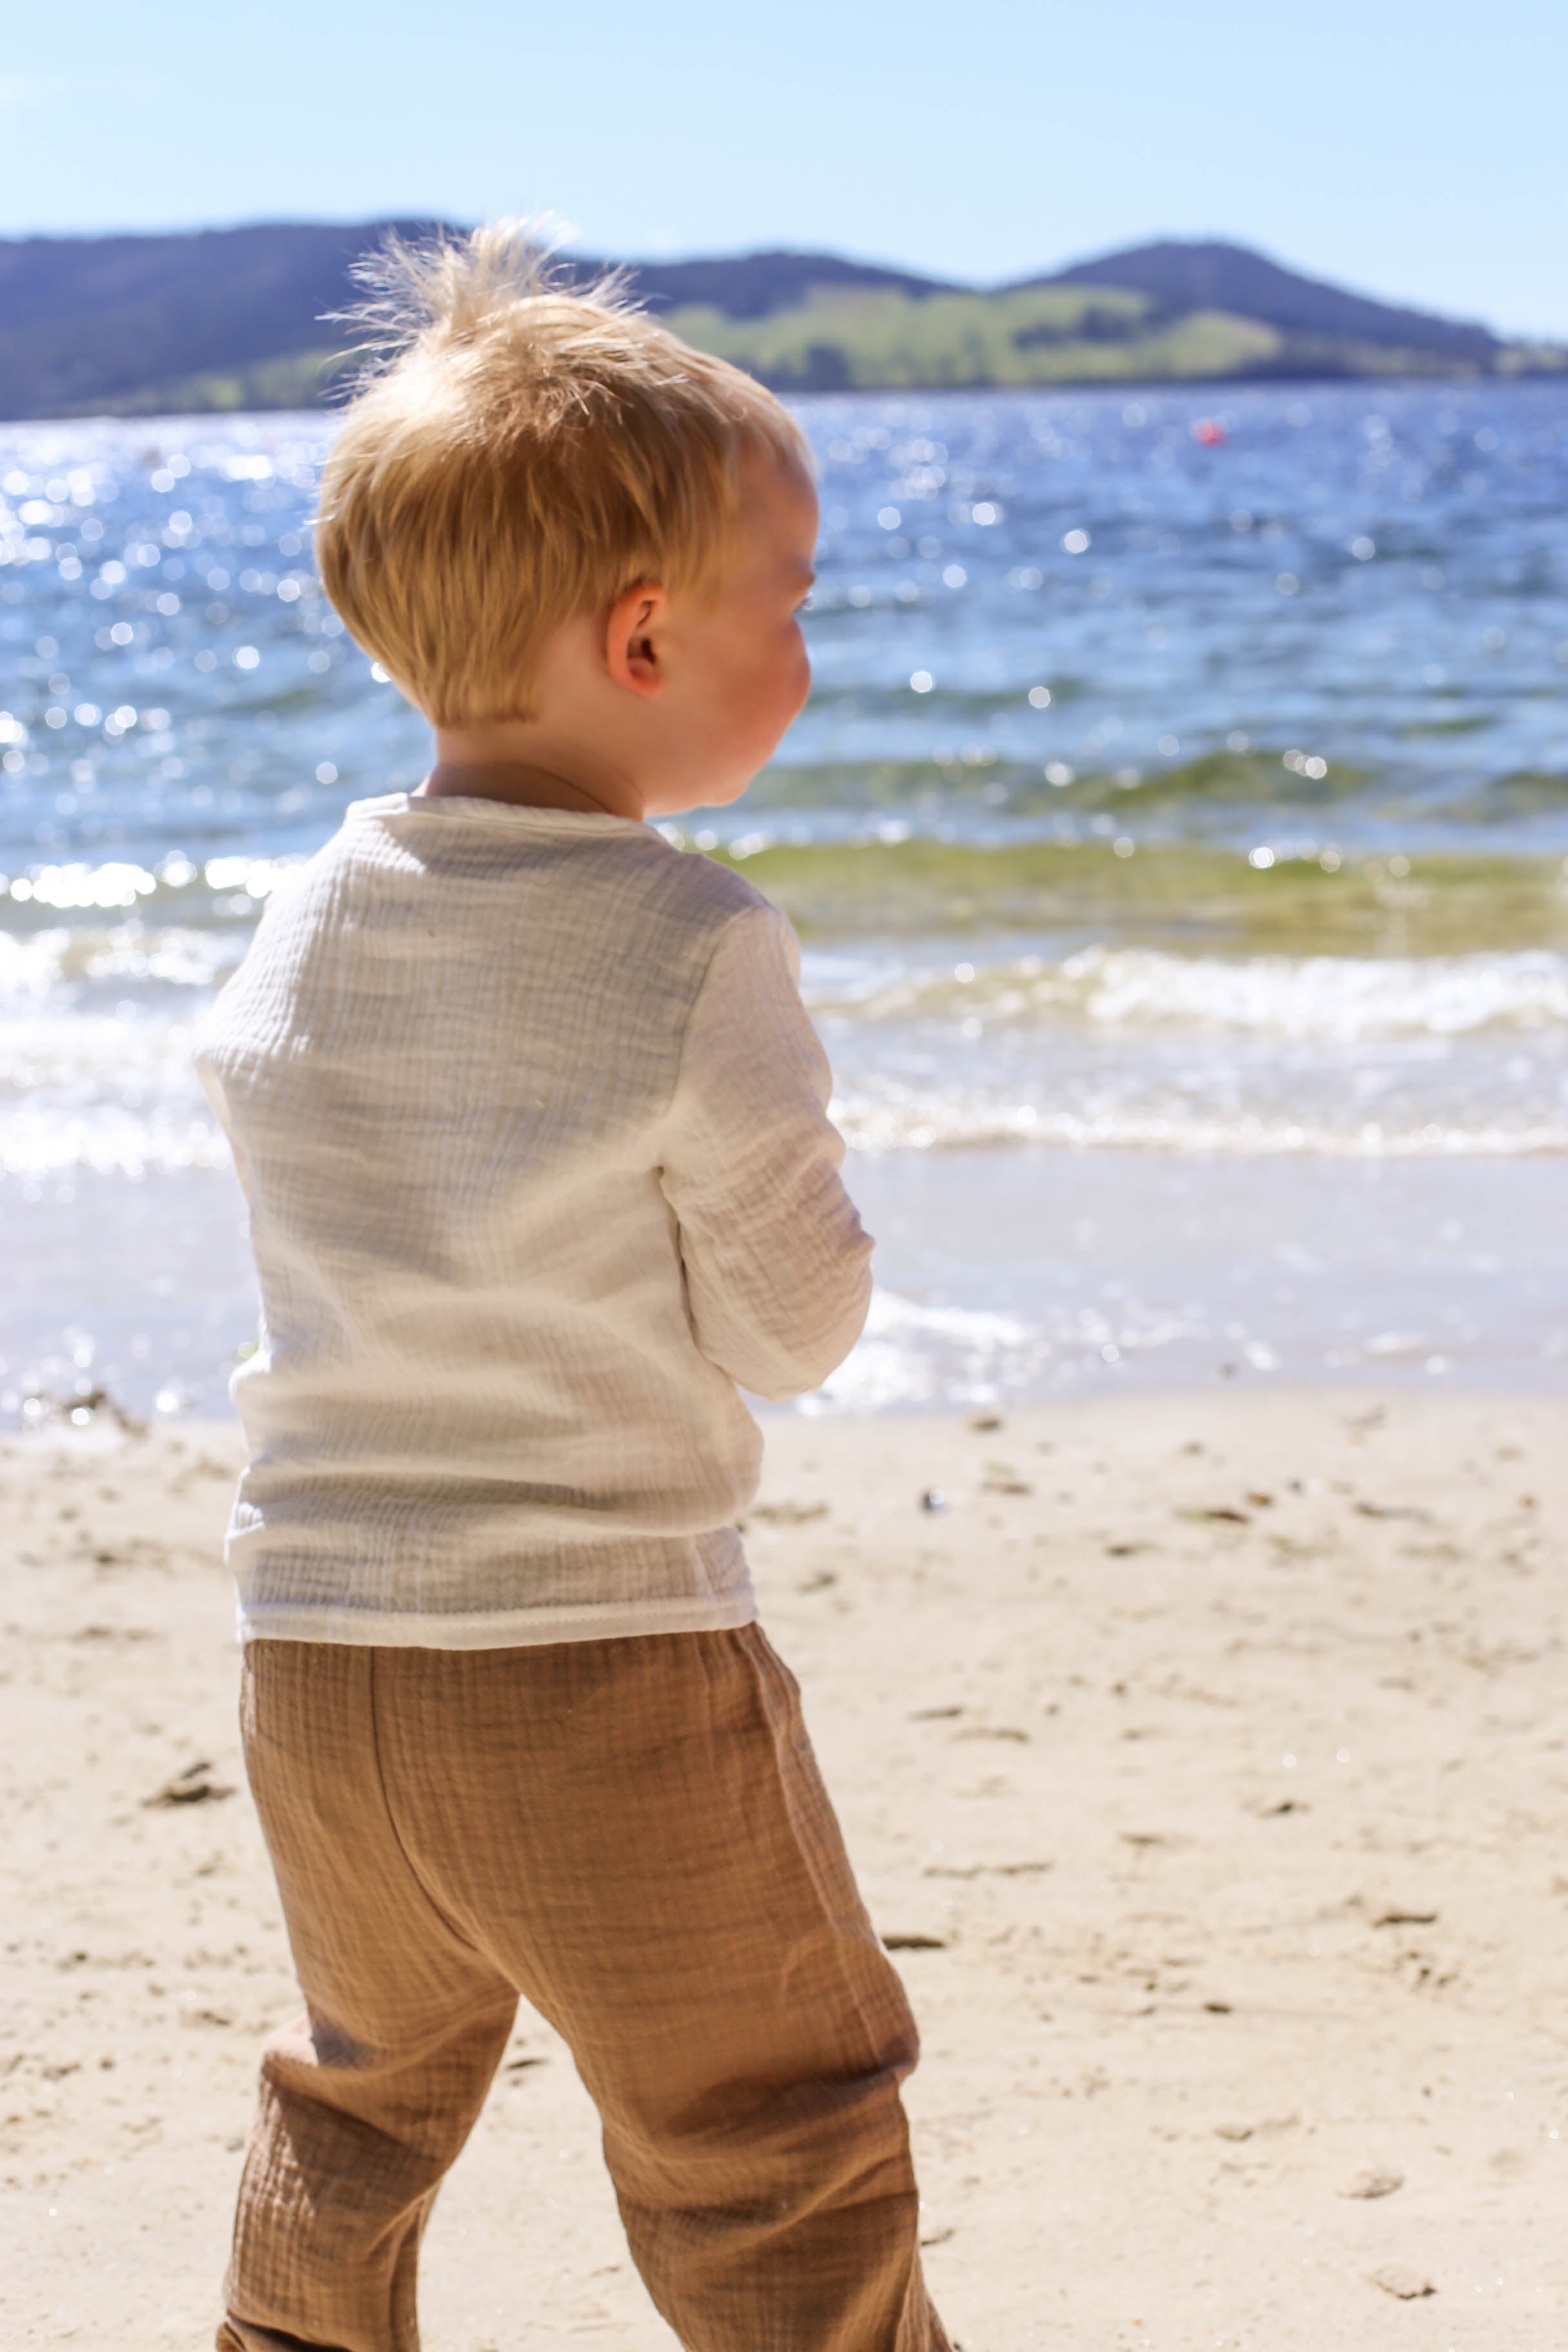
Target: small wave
x,y
909,1355
66,1125
63,964
1300,998
894,1118
112,1091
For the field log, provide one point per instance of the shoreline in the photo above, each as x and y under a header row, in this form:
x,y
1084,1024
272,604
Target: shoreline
x,y
1007,1276
1189,2009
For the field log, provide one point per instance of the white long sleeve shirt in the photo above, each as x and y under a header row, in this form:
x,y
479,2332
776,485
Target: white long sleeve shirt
x,y
534,1130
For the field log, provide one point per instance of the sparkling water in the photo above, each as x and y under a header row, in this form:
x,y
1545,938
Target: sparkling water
x,y
1177,831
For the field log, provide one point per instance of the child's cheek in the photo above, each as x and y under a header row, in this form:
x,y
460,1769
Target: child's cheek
x,y
803,678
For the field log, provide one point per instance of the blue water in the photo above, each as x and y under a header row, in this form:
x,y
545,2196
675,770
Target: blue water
x,y
1373,577
1334,638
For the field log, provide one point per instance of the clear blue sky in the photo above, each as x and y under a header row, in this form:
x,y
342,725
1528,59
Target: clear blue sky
x,y
1414,148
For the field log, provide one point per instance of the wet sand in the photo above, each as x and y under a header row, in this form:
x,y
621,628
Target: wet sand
x,y
1205,1763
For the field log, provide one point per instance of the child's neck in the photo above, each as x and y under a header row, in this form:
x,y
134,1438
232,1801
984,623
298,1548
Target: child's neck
x,y
525,785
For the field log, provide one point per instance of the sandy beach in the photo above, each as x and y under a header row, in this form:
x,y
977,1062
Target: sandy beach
x,y
1204,1762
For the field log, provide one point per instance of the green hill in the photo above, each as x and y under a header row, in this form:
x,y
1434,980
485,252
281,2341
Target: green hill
x,y
835,340
225,318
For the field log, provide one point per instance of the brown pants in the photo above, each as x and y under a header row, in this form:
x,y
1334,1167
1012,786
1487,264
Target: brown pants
x,y
634,1835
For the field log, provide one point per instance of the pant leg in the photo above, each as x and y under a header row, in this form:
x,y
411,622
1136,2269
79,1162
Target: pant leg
x,y
367,2099
637,1833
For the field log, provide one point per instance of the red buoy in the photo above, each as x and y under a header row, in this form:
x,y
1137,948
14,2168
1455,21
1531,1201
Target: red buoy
x,y
1208,432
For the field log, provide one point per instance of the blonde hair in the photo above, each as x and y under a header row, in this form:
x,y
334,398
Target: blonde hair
x,y
518,452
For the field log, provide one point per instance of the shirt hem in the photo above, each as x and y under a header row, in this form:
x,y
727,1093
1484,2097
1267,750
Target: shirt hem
x,y
500,1629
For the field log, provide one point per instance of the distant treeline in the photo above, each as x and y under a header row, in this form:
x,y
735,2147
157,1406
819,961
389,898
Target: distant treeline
x,y
227,319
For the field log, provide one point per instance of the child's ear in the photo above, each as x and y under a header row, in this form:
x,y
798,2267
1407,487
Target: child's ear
x,y
634,636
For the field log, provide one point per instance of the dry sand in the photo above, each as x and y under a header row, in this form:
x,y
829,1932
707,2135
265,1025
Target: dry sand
x,y
1204,1762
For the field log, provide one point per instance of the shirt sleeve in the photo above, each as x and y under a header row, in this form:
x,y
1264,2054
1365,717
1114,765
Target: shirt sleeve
x,y
777,1263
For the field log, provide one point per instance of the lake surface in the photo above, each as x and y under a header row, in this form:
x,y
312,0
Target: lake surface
x,y
1178,832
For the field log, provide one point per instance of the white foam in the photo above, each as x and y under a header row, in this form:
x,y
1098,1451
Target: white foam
x,y
1109,1049
899,1119
49,970
1111,989
102,1092
911,1354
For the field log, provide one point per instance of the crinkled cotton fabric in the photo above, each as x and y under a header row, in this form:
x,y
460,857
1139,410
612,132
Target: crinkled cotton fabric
x,y
635,1836
534,1130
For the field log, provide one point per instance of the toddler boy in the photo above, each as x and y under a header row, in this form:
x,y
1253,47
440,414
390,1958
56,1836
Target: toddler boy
x,y
533,1127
